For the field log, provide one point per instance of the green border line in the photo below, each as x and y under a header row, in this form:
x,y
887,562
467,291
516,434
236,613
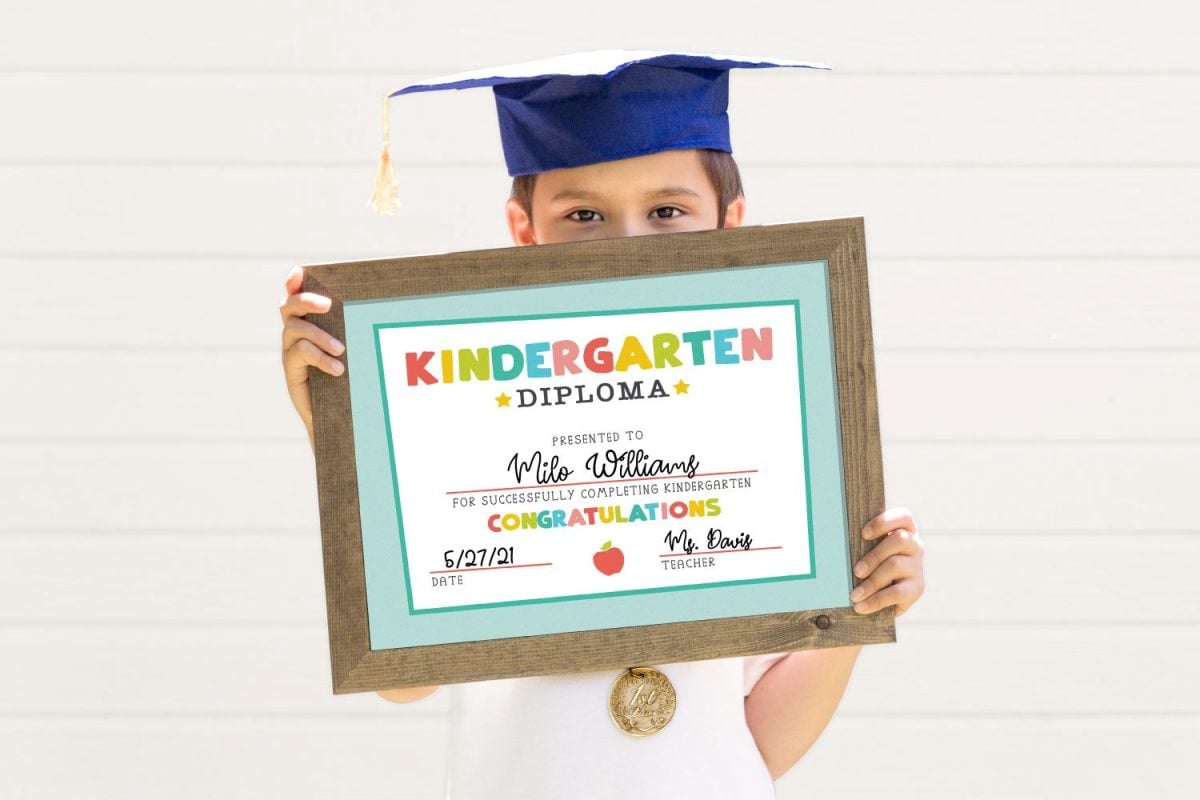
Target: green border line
x,y
794,303
387,422
812,545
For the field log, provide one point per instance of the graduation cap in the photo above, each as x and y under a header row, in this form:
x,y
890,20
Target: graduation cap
x,y
584,108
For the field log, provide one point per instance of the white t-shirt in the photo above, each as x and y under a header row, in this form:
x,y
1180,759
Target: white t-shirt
x,y
551,737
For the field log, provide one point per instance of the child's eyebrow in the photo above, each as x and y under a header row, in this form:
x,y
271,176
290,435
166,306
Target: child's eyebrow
x,y
575,194
583,194
672,191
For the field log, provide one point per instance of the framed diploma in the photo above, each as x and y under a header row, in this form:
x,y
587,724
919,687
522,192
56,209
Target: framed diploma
x,y
596,455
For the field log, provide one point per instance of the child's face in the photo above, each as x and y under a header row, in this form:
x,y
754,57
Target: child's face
x,y
667,192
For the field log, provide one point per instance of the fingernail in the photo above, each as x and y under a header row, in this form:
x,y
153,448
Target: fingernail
x,y
338,367
859,607
337,345
860,569
857,593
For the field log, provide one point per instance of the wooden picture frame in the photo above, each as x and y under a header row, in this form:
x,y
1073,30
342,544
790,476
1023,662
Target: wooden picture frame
x,y
838,245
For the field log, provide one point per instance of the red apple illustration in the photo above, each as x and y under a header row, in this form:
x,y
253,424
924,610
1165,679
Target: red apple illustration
x,y
610,559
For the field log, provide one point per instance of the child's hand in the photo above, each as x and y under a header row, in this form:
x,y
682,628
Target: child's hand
x,y
305,345
893,570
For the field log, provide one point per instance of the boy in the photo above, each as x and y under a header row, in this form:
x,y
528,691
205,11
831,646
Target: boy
x,y
632,144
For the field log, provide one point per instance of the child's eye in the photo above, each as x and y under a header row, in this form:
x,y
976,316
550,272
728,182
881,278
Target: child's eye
x,y
667,212
584,215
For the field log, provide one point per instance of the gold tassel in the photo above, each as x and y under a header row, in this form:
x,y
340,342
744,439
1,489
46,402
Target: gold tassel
x,y
384,198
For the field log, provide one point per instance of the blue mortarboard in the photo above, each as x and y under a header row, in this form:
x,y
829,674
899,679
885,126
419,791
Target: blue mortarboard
x,y
604,105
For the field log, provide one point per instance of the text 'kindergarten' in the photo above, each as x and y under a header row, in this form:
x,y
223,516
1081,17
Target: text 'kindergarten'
x,y
546,359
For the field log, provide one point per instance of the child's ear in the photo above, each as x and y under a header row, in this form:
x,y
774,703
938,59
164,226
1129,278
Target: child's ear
x,y
519,224
735,211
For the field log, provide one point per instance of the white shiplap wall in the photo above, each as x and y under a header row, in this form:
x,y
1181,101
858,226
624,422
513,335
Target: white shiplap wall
x,y
1030,177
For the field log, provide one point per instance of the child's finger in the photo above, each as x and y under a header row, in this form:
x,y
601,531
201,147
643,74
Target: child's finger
x,y
297,305
297,328
304,354
897,567
898,541
887,521
893,595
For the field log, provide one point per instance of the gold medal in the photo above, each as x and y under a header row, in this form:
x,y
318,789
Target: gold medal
x,y
642,701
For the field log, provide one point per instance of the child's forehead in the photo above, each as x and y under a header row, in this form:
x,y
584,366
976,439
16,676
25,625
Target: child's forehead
x,y
670,168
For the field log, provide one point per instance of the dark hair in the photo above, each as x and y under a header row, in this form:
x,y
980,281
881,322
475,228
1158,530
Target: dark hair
x,y
720,167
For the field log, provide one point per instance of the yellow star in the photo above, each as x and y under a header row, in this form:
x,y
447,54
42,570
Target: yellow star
x,y
681,387
502,400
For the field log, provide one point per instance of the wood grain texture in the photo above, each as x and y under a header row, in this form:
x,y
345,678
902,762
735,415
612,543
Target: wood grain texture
x,y
356,668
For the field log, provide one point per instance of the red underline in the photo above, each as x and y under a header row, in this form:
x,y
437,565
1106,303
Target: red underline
x,y
710,552
612,480
502,566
